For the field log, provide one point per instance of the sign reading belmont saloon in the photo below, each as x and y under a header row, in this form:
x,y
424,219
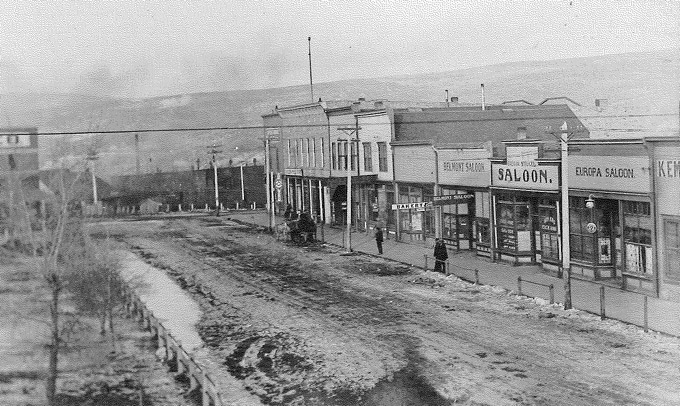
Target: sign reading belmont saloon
x,y
464,167
610,173
452,199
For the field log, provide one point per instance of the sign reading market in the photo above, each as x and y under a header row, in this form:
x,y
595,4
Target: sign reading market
x,y
610,173
527,175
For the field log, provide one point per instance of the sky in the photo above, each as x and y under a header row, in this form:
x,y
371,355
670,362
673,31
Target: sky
x,y
140,48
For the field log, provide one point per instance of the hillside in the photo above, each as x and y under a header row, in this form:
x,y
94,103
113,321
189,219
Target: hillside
x,y
637,83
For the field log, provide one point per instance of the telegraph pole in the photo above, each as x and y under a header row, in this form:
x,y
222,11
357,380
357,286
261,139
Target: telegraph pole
x,y
92,157
564,136
214,152
311,86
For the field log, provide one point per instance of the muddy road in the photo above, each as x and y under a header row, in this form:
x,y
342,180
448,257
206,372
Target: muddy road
x,y
314,326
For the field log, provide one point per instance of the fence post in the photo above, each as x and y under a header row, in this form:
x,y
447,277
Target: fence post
x,y
161,335
204,390
476,276
646,325
552,293
425,256
519,285
180,357
602,310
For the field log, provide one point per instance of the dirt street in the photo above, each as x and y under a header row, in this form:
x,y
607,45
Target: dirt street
x,y
314,326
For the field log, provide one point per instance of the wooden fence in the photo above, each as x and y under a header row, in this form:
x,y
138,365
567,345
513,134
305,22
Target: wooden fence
x,y
179,360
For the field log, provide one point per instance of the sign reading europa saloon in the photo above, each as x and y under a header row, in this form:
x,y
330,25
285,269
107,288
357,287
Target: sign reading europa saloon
x,y
611,173
527,175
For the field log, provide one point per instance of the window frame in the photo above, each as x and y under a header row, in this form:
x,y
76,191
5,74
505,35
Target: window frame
x,y
382,157
671,259
368,157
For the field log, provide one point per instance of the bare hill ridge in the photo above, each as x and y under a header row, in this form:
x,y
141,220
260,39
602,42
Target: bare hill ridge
x,y
635,83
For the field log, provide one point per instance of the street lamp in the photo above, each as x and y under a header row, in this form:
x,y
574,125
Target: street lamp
x,y
590,202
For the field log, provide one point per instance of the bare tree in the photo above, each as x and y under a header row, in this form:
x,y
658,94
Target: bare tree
x,y
54,234
96,284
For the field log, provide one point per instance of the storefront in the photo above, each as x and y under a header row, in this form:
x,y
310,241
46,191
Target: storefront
x,y
465,217
665,161
611,214
307,194
414,175
525,203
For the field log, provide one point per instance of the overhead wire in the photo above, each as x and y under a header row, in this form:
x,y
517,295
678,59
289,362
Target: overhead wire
x,y
326,125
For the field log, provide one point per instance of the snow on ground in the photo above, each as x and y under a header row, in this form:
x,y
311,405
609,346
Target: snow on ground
x,y
169,303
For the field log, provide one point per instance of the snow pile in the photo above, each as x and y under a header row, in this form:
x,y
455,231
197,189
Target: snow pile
x,y
169,303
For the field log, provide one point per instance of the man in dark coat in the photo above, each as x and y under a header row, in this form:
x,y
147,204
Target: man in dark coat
x,y
440,255
379,239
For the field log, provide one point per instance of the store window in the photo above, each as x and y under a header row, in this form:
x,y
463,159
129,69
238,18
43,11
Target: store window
x,y
594,245
514,224
637,237
456,220
389,201
549,237
416,221
483,213
671,236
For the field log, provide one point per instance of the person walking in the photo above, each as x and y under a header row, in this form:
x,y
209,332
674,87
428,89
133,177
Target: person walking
x,y
379,239
440,255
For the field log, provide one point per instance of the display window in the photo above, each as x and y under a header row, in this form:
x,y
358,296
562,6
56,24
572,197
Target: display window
x,y
593,245
671,236
548,230
514,224
482,219
413,220
637,237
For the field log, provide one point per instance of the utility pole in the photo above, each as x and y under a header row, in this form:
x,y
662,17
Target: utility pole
x,y
243,190
92,157
350,131
214,152
270,134
137,165
311,86
564,136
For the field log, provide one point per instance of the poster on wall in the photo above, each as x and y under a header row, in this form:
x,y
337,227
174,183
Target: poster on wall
x,y
507,239
524,241
604,250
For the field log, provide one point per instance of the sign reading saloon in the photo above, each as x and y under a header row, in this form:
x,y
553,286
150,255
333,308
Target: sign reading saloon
x,y
611,173
539,177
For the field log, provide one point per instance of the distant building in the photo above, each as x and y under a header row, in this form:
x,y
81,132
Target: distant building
x,y
19,166
19,153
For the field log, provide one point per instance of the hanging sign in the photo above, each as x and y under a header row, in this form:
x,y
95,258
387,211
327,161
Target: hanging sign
x,y
452,199
408,206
